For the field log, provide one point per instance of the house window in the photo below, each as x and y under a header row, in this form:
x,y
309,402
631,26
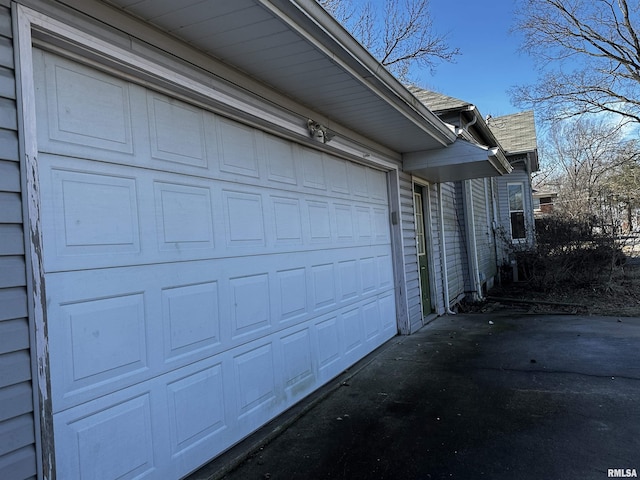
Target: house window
x,y
516,211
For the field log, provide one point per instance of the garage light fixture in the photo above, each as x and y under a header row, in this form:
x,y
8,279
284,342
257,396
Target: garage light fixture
x,y
319,132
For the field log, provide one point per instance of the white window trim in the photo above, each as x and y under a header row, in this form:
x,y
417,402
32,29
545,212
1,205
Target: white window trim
x,y
524,209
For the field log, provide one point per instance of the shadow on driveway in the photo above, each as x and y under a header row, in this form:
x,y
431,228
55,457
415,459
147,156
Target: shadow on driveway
x,y
527,397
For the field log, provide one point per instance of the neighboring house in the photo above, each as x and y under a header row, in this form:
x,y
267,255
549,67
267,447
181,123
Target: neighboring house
x,y
207,211
543,201
517,135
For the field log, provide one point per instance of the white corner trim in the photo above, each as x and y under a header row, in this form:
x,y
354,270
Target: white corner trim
x,y
36,295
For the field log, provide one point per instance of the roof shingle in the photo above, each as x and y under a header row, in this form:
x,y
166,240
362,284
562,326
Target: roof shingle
x,y
516,132
437,102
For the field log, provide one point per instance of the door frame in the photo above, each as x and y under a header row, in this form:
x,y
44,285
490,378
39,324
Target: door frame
x,y
424,188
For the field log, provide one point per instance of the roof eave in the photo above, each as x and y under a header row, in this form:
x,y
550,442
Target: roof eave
x,y
462,160
315,23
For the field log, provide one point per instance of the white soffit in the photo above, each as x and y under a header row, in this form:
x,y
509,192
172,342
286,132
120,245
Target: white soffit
x,y
461,161
300,51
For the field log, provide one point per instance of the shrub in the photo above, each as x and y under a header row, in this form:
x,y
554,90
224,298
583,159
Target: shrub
x,y
567,253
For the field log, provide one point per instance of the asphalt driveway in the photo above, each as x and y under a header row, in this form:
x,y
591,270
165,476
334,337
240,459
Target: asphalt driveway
x,y
496,396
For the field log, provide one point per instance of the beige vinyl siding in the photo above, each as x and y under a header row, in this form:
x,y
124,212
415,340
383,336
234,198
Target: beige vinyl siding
x,y
411,274
482,209
17,430
435,251
455,245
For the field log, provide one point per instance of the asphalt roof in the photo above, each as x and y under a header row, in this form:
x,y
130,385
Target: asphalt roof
x,y
438,102
515,132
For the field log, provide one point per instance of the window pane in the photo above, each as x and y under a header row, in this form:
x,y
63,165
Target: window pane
x,y
515,197
517,225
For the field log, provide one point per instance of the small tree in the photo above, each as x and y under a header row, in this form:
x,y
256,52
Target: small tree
x,y
587,154
623,185
404,38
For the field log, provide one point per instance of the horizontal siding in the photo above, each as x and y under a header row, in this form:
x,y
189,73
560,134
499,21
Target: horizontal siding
x,y
14,303
9,117
6,51
436,249
12,271
9,176
414,304
10,207
7,83
9,145
14,335
18,433
11,239
482,222
17,427
15,400
454,239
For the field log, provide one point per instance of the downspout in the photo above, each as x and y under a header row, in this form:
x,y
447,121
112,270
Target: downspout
x,y
497,238
443,249
473,242
472,122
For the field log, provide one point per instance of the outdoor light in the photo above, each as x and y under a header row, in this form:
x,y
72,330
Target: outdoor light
x,y
319,132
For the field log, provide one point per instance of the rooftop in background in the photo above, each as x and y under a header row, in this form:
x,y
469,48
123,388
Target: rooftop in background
x,y
516,132
438,102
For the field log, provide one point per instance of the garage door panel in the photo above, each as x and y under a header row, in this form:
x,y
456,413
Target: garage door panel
x,y
106,339
177,131
239,148
191,318
358,180
192,410
281,164
196,410
313,176
73,120
201,275
184,217
171,135
337,174
147,320
286,223
298,364
117,216
93,213
120,430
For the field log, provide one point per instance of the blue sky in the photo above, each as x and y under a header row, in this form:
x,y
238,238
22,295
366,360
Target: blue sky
x,y
489,63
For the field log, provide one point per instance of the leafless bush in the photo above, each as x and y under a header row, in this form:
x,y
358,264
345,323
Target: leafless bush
x,y
568,254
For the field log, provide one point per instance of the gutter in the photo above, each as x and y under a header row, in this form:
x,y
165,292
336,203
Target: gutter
x,y
497,156
499,161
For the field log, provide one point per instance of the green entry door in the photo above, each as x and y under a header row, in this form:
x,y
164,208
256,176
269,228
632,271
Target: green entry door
x,y
425,291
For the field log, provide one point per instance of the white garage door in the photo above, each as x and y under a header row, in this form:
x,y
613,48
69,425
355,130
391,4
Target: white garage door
x,y
201,276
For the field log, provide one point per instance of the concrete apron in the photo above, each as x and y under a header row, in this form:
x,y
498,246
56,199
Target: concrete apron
x,y
496,396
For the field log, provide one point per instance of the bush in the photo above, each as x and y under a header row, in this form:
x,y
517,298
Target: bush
x,y
567,254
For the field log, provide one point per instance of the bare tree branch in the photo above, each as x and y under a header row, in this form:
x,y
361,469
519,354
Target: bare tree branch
x,y
591,51
587,155
403,39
